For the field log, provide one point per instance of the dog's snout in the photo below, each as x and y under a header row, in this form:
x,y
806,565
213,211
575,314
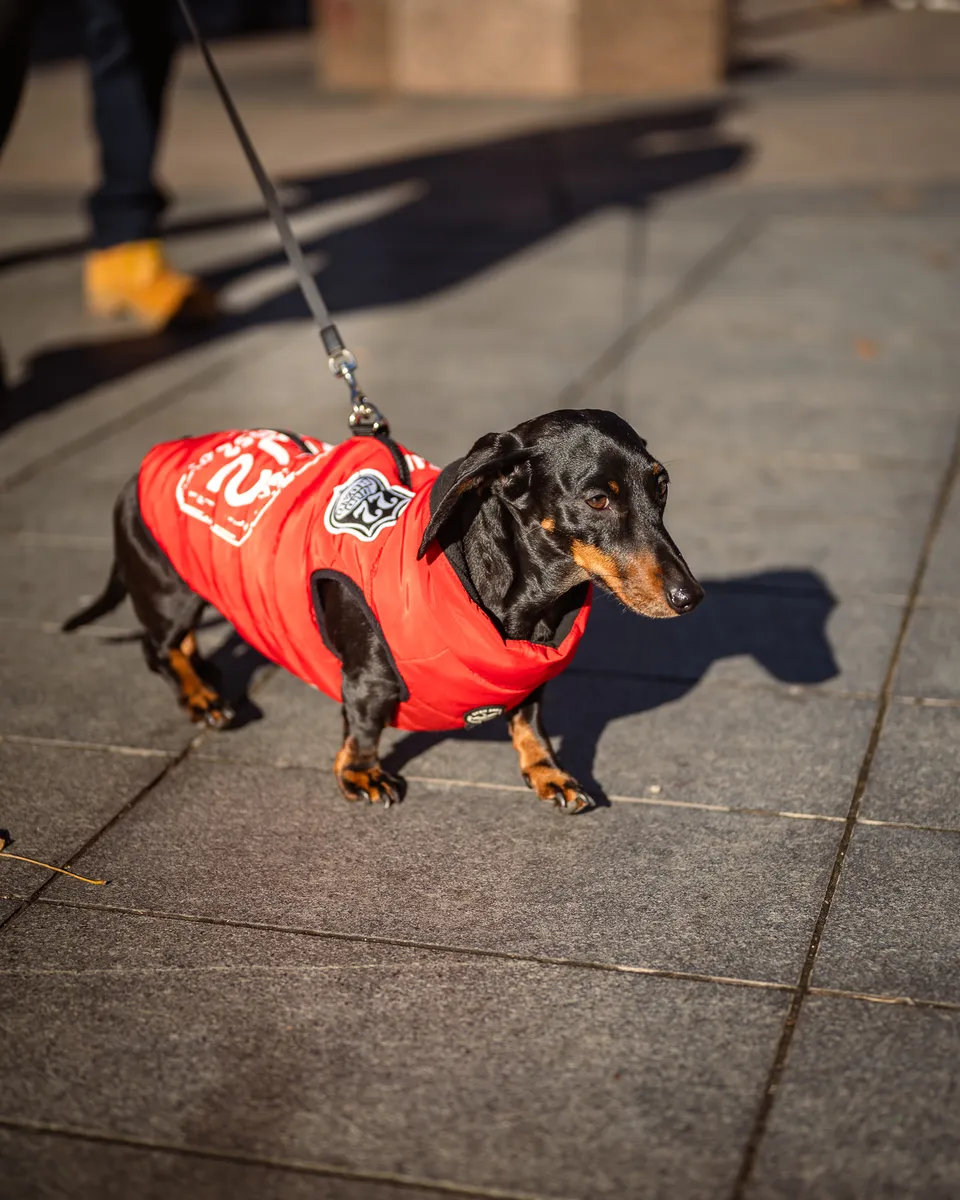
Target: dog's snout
x,y
684,597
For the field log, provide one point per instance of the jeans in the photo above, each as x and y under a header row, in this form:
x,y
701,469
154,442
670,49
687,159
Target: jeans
x,y
130,45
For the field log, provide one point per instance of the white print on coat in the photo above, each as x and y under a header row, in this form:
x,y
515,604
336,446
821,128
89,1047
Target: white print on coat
x,y
227,467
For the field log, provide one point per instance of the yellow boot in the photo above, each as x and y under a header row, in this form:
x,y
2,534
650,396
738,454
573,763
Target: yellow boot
x,y
135,278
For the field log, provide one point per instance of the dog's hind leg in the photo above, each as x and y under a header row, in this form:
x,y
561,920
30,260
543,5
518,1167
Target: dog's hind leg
x,y
169,610
370,692
538,766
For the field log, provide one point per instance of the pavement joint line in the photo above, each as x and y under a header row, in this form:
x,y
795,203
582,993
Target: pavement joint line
x,y
907,825
156,403
293,1165
779,1064
373,939
444,781
710,264
26,739
504,955
79,541
879,998
174,759
104,632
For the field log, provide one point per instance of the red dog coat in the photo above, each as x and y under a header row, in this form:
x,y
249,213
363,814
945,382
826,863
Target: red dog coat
x,y
252,521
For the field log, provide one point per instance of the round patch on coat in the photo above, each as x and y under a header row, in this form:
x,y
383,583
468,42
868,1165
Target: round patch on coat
x,y
365,504
477,716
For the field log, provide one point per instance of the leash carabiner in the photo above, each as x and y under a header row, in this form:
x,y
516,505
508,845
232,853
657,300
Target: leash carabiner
x,y
365,418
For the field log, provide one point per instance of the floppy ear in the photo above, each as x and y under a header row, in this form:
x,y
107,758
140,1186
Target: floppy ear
x,y
491,457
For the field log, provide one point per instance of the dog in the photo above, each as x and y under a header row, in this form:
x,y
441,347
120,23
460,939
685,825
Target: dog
x,y
420,598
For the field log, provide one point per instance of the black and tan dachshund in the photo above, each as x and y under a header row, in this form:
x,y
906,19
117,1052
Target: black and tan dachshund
x,y
526,519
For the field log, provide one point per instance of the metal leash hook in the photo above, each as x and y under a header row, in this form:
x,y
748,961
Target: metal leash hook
x,y
365,417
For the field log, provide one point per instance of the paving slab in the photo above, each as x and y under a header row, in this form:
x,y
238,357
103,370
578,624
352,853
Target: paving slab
x,y
47,579
942,577
930,661
7,907
85,689
892,929
766,357
707,744
866,1107
915,775
383,1058
52,798
799,524
744,632
707,892
40,1167
852,559
109,380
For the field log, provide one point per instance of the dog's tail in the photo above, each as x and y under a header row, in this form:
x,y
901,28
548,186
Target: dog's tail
x,y
106,602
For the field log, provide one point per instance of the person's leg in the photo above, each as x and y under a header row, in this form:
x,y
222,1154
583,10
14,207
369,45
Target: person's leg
x,y
15,23
130,46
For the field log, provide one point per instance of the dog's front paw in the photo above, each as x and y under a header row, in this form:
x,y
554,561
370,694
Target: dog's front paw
x,y
557,787
370,783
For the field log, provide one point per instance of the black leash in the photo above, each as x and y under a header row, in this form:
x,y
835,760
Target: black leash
x,y
365,417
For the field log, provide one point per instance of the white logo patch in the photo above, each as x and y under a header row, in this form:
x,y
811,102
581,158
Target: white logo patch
x,y
365,504
477,716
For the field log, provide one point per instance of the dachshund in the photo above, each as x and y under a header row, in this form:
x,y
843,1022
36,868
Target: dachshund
x,y
520,528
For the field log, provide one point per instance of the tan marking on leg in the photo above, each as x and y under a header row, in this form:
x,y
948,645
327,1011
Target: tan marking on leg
x,y
537,766
194,693
549,524
361,776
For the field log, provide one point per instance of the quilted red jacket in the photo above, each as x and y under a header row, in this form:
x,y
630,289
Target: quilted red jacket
x,y
254,519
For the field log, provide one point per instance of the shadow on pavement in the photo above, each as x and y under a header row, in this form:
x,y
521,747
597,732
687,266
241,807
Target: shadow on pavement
x,y
467,210
628,664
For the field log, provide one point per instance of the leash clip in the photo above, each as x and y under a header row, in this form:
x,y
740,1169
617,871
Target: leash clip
x,y
365,417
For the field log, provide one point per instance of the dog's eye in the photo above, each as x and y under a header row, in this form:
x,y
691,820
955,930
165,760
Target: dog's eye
x,y
662,487
599,501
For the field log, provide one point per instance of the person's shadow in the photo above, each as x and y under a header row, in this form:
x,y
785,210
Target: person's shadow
x,y
452,215
627,664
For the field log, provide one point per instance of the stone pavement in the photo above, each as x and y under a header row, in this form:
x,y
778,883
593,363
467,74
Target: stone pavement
x,y
740,977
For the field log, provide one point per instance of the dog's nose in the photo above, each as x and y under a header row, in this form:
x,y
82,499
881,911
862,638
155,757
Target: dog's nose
x,y
684,597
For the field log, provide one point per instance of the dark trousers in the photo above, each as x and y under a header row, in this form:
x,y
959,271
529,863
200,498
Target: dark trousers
x,y
130,45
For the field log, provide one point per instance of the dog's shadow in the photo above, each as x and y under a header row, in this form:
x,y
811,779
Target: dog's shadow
x,y
628,665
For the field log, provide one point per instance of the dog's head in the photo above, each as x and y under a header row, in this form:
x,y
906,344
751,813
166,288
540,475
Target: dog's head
x,y
583,488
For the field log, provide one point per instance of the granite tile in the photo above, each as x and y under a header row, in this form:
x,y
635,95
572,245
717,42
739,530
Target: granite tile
x,y
744,632
373,1057
46,581
915,775
663,887
866,1107
942,576
86,689
53,798
892,928
930,661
